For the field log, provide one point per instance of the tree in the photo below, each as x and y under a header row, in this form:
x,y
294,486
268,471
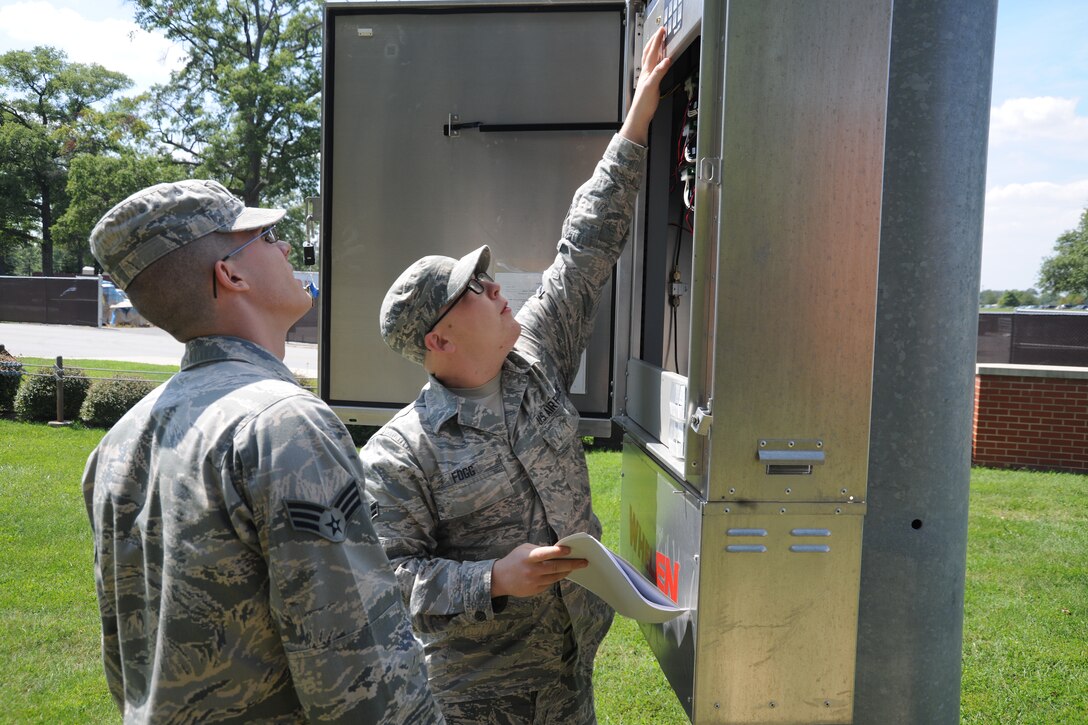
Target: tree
x,y
46,109
244,109
1067,271
1009,299
1029,296
97,182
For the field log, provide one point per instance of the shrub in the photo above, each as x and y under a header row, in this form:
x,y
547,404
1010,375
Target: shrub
x,y
308,383
110,398
37,397
360,434
11,374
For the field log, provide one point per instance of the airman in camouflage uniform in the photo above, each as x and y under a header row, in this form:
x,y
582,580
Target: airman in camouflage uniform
x,y
474,482
238,573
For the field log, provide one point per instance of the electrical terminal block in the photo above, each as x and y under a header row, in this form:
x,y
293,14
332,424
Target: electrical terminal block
x,y
677,289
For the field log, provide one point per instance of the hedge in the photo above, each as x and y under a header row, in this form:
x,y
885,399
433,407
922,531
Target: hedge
x,y
11,375
110,398
37,397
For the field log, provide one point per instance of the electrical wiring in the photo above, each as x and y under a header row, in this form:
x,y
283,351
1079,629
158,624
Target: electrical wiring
x,y
683,175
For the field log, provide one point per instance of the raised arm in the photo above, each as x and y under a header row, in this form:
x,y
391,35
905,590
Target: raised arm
x,y
647,91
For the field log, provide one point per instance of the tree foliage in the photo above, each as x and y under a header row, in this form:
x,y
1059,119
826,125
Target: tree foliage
x,y
47,115
1067,271
244,109
96,183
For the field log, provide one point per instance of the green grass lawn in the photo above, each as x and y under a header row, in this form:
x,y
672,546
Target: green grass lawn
x,y
49,626
103,368
629,686
1025,654
1025,634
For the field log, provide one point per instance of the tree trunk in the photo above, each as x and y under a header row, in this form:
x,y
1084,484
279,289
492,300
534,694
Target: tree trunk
x,y
47,234
251,195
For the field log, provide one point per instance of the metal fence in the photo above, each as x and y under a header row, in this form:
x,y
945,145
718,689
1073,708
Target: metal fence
x,y
77,301
1033,338
50,300
306,329
58,373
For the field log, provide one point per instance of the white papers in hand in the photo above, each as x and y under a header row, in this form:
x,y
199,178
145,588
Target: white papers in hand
x,y
614,580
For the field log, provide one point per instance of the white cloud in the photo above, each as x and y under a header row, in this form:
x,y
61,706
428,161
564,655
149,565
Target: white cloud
x,y
1042,117
119,45
1022,222
1041,138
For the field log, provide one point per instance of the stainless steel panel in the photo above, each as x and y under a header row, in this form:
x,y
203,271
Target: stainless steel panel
x,y
396,188
804,107
778,603
706,236
773,590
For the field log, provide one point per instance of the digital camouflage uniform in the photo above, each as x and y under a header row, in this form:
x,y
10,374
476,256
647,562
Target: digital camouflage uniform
x,y
456,488
238,573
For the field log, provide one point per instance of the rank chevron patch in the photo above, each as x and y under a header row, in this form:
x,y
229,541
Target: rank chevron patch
x,y
328,522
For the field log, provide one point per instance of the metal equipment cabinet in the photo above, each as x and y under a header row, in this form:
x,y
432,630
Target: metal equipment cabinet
x,y
748,400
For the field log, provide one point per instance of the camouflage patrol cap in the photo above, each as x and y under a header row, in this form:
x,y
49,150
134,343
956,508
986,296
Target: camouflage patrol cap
x,y
162,218
415,301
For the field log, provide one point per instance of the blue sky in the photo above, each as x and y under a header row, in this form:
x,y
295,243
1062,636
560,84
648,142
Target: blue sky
x,y
1037,175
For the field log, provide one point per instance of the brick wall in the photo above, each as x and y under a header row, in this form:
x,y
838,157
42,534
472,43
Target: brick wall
x,y
1031,416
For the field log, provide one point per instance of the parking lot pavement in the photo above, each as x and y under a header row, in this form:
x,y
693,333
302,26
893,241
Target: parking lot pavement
x,y
132,344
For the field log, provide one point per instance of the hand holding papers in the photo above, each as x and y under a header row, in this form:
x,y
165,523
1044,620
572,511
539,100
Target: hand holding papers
x,y
617,582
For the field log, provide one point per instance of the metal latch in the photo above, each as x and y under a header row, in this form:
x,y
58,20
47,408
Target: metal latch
x,y
709,170
701,420
790,456
453,128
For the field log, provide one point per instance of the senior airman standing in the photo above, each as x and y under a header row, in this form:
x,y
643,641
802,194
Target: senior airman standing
x,y
238,573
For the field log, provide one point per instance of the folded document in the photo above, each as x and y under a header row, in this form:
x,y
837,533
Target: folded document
x,y
617,582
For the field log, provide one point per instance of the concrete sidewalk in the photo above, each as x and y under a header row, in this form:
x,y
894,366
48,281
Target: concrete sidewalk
x,y
132,344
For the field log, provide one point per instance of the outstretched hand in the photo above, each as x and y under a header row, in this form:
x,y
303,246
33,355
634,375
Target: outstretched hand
x,y
655,64
529,569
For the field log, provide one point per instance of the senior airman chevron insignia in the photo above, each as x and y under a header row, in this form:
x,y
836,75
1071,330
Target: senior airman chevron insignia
x,y
325,521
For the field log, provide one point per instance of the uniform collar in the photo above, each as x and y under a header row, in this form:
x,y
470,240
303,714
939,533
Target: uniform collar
x,y
440,403
220,348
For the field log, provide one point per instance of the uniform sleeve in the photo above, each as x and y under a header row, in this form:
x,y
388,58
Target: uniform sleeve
x,y
439,592
111,644
556,322
298,498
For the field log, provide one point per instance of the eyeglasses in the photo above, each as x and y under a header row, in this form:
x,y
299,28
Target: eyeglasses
x,y
269,236
475,286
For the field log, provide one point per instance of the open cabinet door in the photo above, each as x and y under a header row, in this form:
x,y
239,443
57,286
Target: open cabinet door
x,y
447,126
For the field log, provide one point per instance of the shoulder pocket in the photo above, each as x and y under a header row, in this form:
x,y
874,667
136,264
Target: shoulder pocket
x,y
562,427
